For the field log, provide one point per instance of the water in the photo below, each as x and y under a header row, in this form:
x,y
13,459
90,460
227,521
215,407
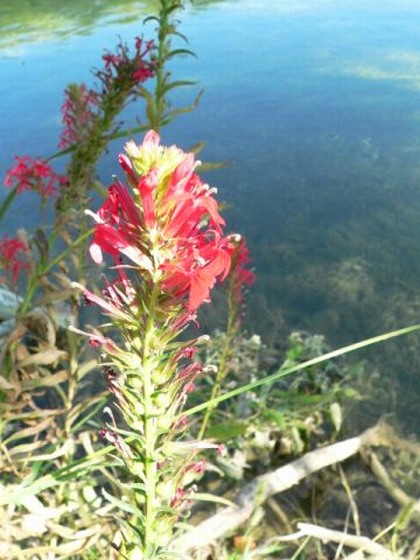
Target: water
x,y
316,108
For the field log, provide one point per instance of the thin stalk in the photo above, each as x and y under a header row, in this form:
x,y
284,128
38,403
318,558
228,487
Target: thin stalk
x,y
160,72
41,270
232,329
222,371
150,432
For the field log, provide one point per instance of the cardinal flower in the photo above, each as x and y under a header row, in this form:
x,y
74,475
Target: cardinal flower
x,y
167,224
165,237
34,174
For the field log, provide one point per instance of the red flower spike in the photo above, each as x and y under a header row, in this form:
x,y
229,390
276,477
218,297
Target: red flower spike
x,y
13,253
34,174
170,227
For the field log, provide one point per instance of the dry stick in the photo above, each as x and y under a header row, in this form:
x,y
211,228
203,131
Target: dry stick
x,y
392,488
266,485
353,541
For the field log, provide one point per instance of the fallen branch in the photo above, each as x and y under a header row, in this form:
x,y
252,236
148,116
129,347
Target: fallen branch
x,y
262,487
397,493
362,544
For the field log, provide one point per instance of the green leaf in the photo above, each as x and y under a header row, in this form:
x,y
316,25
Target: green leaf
x,y
204,497
212,165
284,372
187,109
276,416
181,35
298,399
122,505
226,431
178,83
101,402
172,8
177,52
129,131
151,18
7,202
30,487
336,416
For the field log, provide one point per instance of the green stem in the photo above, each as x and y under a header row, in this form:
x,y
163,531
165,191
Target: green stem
x,y
150,431
160,72
220,377
67,250
232,329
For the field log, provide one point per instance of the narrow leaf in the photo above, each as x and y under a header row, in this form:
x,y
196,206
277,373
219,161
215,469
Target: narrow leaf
x,y
284,372
7,202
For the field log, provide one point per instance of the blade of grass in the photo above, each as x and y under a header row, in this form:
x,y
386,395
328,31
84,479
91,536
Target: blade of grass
x,y
284,372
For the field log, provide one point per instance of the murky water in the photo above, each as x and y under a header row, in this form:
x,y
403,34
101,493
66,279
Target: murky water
x,y
316,108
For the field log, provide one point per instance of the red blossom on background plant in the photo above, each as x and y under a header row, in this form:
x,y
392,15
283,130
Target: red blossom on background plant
x,y
122,67
78,114
13,257
34,175
89,117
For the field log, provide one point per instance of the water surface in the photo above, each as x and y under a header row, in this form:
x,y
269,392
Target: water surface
x,y
316,107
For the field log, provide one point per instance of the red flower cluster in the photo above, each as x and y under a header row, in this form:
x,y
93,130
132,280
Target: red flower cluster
x,y
35,175
170,228
122,66
79,111
13,254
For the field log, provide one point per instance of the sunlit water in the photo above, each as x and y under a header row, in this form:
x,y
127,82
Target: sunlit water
x,y
316,108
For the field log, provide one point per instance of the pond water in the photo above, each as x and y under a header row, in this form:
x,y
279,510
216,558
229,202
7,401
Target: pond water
x,y
316,108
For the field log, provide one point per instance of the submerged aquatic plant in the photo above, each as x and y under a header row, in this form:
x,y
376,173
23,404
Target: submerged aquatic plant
x,y
165,236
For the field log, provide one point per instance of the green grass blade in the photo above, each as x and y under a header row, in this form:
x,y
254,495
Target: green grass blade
x,y
283,372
